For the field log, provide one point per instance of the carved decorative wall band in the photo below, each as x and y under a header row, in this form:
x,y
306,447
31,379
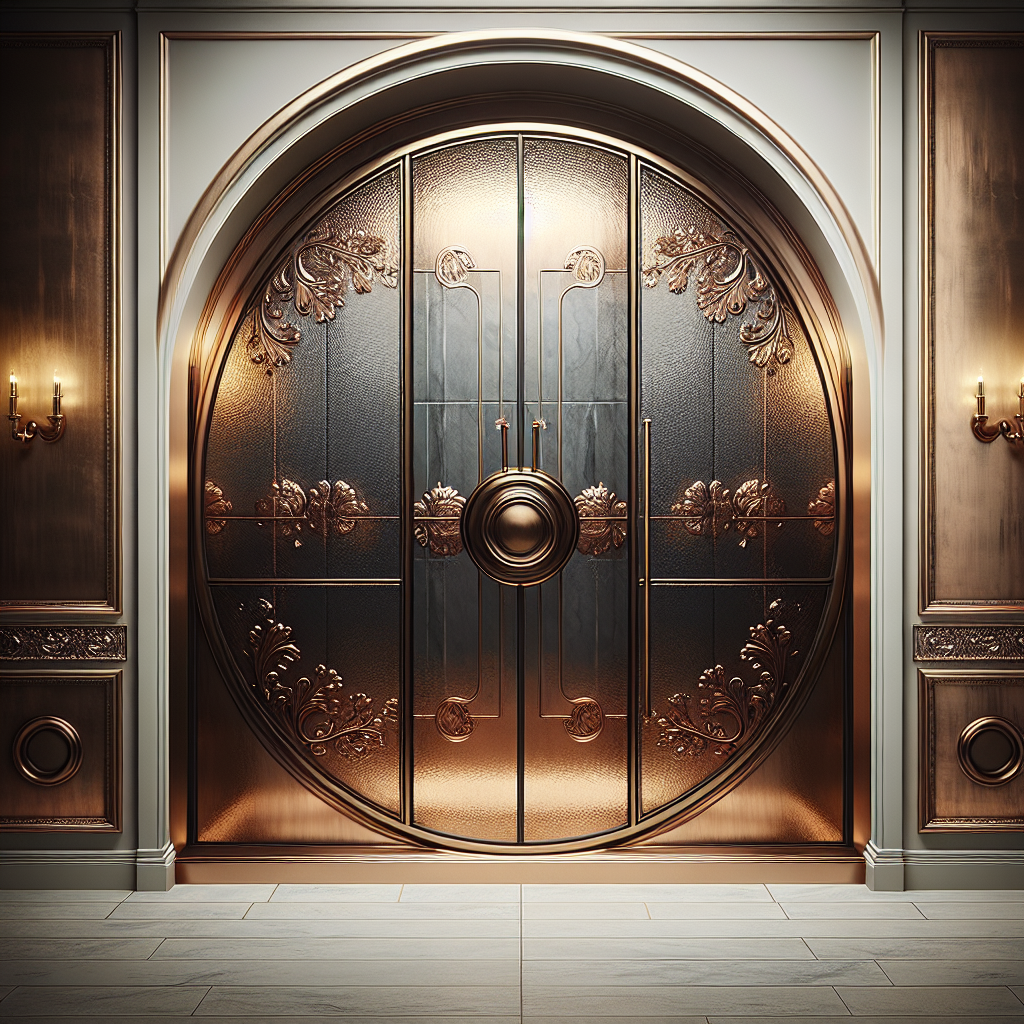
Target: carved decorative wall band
x,y
315,712
728,278
436,520
708,510
968,643
317,275
726,714
63,643
602,520
327,510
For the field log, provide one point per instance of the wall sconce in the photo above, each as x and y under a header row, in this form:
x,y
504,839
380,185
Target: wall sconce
x,y
32,429
988,434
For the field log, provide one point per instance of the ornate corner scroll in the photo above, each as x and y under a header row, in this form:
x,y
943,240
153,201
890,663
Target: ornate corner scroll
x,y
824,508
728,280
587,265
453,720
452,265
968,643
316,712
602,520
326,510
317,275
709,510
727,713
216,506
585,721
63,643
436,520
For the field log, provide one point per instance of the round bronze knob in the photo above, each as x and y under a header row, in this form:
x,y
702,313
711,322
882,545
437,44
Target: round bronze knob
x,y
520,526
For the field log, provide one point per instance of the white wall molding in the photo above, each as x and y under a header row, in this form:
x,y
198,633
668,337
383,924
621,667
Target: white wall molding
x,y
154,869
67,869
885,868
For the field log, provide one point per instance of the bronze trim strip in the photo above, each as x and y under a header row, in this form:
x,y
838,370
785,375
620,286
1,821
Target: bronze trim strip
x,y
319,581
968,643
633,792
63,643
646,582
406,537
739,581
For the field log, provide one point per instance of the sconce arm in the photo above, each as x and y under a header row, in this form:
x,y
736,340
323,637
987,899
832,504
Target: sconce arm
x,y
32,430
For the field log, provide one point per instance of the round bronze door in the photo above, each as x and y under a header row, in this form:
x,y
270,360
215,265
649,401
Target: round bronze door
x,y
521,499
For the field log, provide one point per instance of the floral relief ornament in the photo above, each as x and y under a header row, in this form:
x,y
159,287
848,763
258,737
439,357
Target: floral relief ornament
x,y
216,505
436,520
727,713
602,520
327,510
728,279
316,276
711,510
317,712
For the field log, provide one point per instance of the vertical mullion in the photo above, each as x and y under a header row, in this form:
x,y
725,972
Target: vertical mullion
x,y
521,418
633,412
405,523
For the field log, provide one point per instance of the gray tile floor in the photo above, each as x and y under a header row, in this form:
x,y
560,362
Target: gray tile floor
x,y
422,954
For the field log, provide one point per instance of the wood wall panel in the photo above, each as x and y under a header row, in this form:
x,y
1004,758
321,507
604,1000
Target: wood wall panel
x,y
973,557
59,267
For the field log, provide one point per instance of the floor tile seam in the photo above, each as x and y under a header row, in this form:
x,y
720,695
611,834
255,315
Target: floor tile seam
x,y
843,1001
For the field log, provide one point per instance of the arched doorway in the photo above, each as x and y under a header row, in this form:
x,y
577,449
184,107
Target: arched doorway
x,y
519,485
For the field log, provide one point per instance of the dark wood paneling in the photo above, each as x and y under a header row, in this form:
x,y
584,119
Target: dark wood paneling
x,y
973,558
60,547
88,704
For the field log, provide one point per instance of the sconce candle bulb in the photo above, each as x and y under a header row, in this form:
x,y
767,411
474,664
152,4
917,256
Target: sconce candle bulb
x,y
987,434
54,432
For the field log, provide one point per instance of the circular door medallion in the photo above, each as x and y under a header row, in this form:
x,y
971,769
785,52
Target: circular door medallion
x,y
520,526
990,751
47,751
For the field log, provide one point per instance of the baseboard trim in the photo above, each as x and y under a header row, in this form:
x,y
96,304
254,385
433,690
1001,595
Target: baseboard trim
x,y
964,869
210,864
67,869
154,869
884,869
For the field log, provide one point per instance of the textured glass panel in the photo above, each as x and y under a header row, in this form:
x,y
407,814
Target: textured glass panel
x,y
577,341
239,463
693,629
465,211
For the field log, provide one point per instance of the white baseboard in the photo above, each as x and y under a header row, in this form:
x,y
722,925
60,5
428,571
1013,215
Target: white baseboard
x,y
898,870
67,869
154,869
884,871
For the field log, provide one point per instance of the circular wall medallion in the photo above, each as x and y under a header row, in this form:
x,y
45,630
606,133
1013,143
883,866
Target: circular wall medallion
x,y
991,751
520,526
47,751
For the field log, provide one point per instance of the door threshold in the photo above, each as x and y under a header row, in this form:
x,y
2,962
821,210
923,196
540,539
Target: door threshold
x,y
223,863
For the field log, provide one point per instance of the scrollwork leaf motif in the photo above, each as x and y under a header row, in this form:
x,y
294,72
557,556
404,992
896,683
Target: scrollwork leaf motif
x,y
287,501
602,520
709,510
824,507
216,505
316,276
587,266
728,712
728,280
317,711
451,266
443,506
585,721
755,500
334,509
